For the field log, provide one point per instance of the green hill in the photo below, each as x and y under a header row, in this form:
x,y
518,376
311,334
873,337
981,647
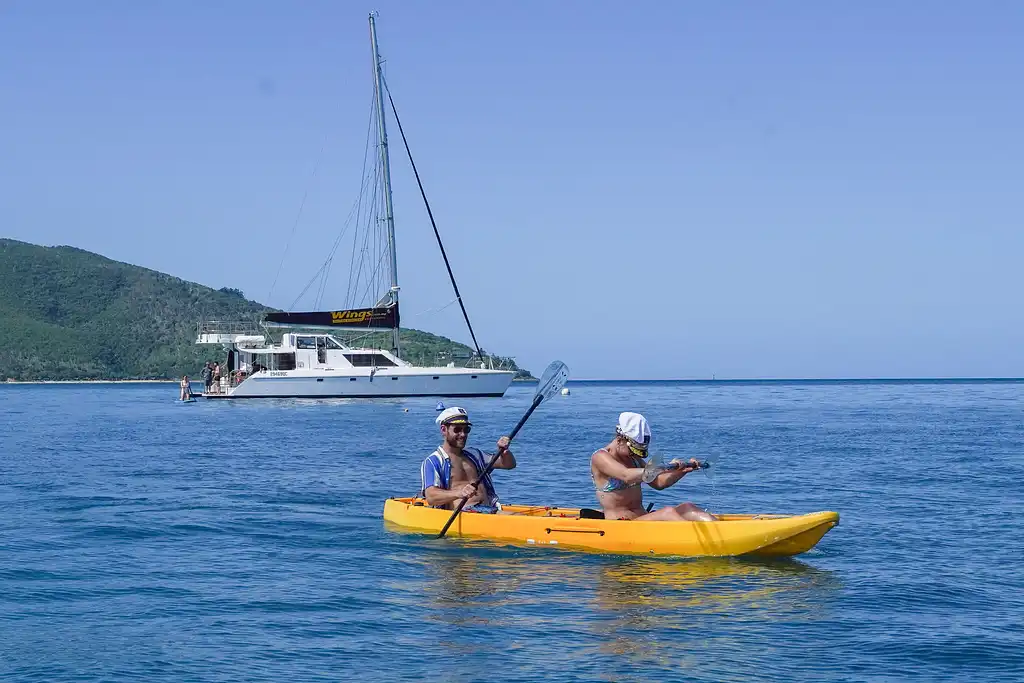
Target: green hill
x,y
69,314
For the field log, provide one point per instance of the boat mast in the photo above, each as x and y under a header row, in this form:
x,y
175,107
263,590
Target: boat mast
x,y
386,168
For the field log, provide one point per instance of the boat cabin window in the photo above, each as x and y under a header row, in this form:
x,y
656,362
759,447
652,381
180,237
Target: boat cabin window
x,y
305,342
285,361
366,360
331,344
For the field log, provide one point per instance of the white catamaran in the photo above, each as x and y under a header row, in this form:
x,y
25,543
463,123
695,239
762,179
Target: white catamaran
x,y
315,362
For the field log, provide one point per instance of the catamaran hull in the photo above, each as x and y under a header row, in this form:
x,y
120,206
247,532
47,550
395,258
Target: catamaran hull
x,y
382,384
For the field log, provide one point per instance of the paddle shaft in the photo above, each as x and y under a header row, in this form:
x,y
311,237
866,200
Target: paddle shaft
x,y
533,406
490,465
672,467
669,467
678,466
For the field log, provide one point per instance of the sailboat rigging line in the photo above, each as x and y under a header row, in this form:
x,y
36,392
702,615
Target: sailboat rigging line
x,y
371,283
327,262
433,223
373,181
364,181
438,309
308,285
352,296
375,277
353,215
298,216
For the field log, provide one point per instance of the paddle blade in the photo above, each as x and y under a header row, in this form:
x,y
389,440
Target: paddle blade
x,y
552,381
652,470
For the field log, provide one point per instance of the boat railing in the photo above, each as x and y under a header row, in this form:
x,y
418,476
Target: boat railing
x,y
227,331
473,360
504,362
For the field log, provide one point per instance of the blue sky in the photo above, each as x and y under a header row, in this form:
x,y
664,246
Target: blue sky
x,y
646,191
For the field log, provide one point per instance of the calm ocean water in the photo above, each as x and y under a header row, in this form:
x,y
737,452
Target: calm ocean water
x,y
143,539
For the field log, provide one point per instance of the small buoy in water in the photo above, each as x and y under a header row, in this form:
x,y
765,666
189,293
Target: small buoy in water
x,y
407,410
439,406
565,391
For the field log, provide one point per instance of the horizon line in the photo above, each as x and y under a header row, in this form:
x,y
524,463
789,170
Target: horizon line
x,y
799,379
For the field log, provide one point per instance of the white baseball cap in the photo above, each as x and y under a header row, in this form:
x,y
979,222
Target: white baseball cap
x,y
453,415
634,427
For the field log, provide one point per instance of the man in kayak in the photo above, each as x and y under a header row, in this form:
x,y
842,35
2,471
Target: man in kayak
x,y
448,473
617,471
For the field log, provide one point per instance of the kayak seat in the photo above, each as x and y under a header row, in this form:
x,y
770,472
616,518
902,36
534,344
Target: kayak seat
x,y
589,513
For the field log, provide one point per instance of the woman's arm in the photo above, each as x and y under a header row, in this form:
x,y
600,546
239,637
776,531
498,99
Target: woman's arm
x,y
610,467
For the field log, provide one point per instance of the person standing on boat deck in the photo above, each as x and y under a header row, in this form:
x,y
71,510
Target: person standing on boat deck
x,y
447,474
617,471
242,372
207,375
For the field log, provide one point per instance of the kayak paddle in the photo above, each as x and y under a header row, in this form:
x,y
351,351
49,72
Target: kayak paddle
x,y
551,383
654,468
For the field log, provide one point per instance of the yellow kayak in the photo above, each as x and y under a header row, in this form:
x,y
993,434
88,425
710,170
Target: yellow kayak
x,y
731,535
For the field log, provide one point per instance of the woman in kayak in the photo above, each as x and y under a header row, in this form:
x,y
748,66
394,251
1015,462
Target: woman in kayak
x,y
618,469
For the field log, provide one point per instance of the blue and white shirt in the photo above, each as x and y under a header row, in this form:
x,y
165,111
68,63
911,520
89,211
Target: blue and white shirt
x,y
436,470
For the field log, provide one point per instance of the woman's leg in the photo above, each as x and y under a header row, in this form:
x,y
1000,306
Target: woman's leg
x,y
685,512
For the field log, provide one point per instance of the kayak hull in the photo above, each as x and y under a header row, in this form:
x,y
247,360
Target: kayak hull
x,y
730,536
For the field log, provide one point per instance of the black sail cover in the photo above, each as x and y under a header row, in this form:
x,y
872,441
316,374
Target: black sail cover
x,y
383,318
